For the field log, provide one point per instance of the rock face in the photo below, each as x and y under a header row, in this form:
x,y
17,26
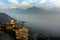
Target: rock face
x,y
5,36
22,34
4,18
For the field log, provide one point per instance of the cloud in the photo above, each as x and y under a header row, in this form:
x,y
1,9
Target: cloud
x,y
45,4
48,4
13,1
42,1
57,3
24,4
2,5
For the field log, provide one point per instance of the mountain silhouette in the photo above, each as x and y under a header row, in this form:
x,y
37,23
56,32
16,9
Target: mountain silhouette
x,y
33,10
4,18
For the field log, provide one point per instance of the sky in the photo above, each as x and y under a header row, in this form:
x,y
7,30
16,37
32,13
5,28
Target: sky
x,y
41,15
24,4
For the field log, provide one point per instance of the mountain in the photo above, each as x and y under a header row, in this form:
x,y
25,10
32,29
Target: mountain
x,y
33,10
4,18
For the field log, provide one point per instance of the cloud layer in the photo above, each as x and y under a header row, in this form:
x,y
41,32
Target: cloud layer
x,y
24,4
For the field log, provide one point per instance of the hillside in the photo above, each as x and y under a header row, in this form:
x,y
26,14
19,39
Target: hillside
x,y
4,18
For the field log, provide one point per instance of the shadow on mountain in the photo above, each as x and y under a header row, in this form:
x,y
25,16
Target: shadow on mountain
x,y
4,18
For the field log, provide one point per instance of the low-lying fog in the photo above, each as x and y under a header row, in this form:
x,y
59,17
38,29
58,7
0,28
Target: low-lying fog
x,y
39,20
47,23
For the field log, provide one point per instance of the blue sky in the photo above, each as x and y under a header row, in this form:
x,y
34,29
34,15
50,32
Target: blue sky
x,y
24,4
5,1
19,1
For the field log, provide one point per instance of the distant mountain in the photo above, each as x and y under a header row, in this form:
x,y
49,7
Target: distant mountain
x,y
33,10
4,18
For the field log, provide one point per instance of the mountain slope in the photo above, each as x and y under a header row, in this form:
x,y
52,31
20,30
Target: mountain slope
x,y
4,18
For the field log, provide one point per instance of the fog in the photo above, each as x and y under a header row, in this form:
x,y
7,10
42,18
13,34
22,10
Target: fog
x,y
45,21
